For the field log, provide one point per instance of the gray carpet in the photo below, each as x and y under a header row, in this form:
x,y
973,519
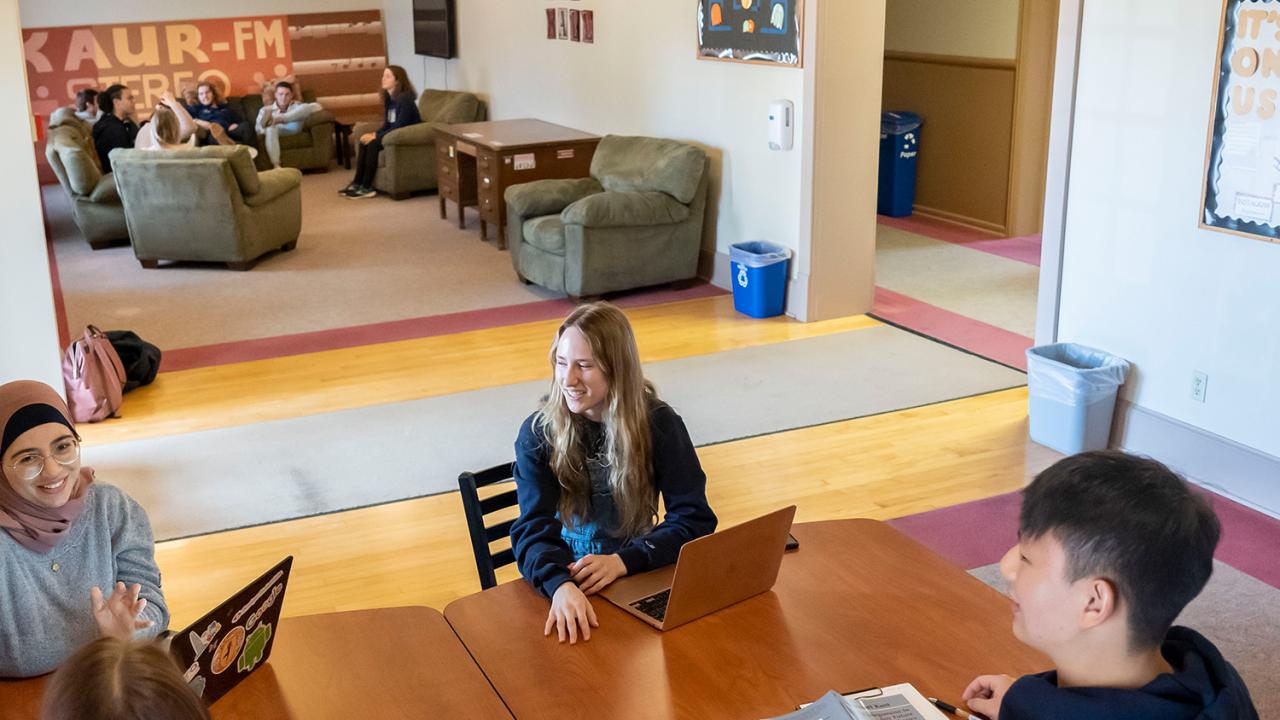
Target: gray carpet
x,y
357,262
992,289
1239,613
233,477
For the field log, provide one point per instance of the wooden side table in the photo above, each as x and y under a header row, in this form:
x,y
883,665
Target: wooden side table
x,y
477,162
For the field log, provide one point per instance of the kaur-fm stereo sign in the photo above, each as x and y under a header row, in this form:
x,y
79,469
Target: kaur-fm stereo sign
x,y
339,56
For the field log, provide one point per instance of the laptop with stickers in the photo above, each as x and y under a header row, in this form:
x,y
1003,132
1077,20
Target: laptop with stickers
x,y
222,648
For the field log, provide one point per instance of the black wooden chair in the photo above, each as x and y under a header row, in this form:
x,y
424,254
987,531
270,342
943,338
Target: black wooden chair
x,y
475,508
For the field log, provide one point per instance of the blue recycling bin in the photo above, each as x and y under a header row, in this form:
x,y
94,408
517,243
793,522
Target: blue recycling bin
x,y
1072,395
759,278
899,140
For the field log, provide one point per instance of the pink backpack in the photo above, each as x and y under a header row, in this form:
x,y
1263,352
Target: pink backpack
x,y
94,377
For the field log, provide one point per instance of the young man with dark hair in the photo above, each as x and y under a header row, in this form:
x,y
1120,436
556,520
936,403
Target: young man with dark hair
x,y
87,105
116,128
1111,548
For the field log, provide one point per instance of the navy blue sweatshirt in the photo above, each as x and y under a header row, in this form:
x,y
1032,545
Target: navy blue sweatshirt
x,y
398,112
220,114
544,557
1203,686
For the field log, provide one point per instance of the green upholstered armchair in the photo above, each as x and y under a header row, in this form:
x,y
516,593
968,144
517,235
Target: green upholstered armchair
x,y
407,163
206,204
636,221
312,149
95,204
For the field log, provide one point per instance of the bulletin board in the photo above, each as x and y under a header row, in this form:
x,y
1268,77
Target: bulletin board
x,y
754,31
1242,156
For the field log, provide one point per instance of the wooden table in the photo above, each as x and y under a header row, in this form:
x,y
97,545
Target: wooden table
x,y
858,605
391,663
477,162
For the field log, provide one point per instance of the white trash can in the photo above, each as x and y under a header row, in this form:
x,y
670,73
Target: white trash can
x,y
1072,390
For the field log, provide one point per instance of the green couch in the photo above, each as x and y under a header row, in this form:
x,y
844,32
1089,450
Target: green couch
x,y
636,221
407,163
207,204
95,204
312,149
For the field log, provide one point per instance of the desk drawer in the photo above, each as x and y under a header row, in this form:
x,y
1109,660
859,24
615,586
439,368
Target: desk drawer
x,y
448,190
444,169
487,162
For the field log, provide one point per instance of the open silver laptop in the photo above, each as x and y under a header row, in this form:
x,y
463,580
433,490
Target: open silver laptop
x,y
712,573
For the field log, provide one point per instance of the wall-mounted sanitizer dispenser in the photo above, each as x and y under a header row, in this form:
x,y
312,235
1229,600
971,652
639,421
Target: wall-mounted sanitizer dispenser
x,y
782,124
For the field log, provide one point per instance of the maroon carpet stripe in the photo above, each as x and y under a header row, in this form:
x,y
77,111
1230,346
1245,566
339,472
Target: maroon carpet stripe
x,y
954,329
1025,249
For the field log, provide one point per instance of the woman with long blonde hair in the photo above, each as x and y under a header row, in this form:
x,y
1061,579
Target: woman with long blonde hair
x,y
591,464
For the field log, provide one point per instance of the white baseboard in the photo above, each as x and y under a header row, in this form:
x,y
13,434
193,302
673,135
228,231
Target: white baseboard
x,y
1242,473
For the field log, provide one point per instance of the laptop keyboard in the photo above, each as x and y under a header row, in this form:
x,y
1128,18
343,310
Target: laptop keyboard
x,y
655,606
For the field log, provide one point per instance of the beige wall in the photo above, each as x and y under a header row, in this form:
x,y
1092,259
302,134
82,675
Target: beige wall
x,y
29,349
640,77
973,28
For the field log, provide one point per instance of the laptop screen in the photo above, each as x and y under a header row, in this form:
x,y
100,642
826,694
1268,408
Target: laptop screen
x,y
220,649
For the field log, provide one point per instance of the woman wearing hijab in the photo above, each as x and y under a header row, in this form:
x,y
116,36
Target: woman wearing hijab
x,y
77,560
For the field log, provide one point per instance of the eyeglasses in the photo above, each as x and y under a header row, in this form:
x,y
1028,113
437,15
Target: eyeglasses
x,y
30,464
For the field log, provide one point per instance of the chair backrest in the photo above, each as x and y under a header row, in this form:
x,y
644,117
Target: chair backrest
x,y
646,164
476,508
74,160
191,197
449,106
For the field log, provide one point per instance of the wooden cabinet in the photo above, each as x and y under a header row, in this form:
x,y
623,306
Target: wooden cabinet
x,y
477,162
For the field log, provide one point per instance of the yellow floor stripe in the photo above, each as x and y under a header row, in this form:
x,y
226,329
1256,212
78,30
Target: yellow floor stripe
x,y
280,388
417,551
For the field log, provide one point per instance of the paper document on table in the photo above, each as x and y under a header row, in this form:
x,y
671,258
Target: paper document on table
x,y
896,702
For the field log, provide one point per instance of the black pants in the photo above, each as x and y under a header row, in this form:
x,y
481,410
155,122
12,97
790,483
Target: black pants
x,y
367,162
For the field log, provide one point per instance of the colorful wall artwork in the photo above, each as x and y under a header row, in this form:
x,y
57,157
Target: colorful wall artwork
x,y
762,31
339,56
1242,160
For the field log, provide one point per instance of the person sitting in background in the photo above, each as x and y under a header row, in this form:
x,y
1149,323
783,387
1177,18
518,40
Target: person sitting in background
x,y
64,540
167,130
400,108
87,105
113,679
283,115
169,109
1111,548
117,127
210,111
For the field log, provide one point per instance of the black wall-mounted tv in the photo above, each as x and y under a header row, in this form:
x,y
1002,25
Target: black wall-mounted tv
x,y
433,28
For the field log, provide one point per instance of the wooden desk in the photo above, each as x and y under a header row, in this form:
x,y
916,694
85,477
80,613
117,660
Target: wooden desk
x,y
858,605
392,663
477,162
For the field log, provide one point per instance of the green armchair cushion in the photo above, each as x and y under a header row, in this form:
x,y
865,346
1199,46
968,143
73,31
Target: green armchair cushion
x,y
642,164
273,184
106,191
446,106
77,162
238,157
543,197
422,133
545,233
625,209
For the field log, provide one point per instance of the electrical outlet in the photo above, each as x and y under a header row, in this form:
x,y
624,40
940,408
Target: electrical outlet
x,y
1199,386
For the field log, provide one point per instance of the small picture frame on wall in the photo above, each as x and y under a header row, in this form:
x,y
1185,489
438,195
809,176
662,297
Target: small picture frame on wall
x,y
562,23
588,26
551,23
575,32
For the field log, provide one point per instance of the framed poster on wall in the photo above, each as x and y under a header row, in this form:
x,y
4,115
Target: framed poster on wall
x,y
754,31
1242,155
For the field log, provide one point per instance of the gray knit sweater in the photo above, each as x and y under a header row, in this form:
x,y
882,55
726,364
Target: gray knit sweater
x,y
45,611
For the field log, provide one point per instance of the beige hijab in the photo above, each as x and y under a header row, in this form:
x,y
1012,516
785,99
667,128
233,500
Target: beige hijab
x,y
35,527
